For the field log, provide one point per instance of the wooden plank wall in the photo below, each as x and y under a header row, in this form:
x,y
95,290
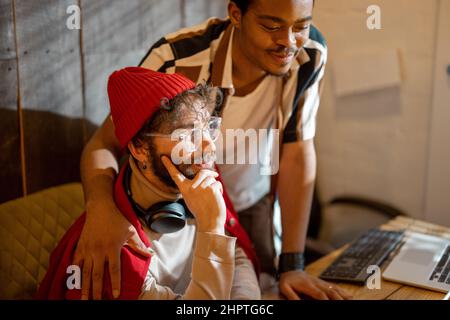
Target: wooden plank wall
x,y
50,92
196,11
10,175
53,84
118,34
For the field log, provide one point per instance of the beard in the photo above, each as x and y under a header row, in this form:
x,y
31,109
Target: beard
x,y
188,170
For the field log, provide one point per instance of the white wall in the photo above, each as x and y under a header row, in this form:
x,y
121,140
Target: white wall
x,y
437,200
375,143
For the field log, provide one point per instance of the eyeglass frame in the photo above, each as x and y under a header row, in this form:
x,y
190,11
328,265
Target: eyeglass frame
x,y
218,120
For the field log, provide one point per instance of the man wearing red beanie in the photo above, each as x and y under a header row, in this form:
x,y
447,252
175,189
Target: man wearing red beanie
x,y
181,212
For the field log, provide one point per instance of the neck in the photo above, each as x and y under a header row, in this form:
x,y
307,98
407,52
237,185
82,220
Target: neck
x,y
147,189
154,180
246,74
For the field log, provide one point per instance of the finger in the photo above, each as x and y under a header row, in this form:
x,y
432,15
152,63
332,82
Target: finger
x,y
315,292
86,279
333,294
344,293
332,291
207,182
289,293
135,243
114,271
176,175
97,278
202,175
78,259
217,186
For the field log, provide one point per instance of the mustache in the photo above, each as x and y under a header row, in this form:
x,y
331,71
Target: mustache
x,y
284,50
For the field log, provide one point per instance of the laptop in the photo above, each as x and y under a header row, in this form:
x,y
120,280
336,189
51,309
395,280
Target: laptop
x,y
422,261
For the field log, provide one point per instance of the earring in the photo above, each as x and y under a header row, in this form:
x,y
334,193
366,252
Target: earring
x,y
144,165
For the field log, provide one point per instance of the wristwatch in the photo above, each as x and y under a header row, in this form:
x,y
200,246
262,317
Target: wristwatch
x,y
290,261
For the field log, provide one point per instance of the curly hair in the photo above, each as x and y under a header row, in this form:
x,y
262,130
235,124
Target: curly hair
x,y
202,100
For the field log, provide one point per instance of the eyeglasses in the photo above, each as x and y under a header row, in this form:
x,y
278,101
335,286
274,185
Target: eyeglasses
x,y
194,135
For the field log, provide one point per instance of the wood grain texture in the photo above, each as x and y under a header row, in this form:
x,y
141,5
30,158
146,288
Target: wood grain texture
x,y
113,26
218,9
117,34
98,67
197,11
412,293
116,26
53,148
50,91
10,176
8,72
49,58
166,17
7,47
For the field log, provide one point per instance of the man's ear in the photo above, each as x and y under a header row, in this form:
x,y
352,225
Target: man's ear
x,y
235,14
139,153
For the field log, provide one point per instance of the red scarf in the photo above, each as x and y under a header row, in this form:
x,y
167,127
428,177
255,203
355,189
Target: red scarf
x,y
134,266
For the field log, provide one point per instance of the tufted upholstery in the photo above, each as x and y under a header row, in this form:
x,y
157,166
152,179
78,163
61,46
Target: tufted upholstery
x,y
30,228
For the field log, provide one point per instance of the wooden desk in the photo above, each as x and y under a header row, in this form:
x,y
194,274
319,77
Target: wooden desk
x,y
389,290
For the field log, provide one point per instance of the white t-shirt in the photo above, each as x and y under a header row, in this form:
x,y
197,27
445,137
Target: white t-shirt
x,y
245,183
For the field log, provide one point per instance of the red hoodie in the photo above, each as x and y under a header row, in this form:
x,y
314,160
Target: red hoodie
x,y
134,266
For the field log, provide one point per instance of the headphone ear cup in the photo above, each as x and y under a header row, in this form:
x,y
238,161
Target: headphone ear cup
x,y
162,217
166,217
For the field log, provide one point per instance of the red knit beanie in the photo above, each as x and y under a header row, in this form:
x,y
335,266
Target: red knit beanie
x,y
135,94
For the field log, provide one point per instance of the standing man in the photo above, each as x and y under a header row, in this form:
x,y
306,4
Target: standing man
x,y
269,61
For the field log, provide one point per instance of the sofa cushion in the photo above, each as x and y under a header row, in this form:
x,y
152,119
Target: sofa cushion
x,y
30,228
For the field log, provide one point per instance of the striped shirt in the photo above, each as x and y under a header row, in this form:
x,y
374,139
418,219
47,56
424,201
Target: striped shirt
x,y
200,52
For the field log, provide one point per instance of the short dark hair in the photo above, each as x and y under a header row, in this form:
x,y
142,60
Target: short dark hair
x,y
243,5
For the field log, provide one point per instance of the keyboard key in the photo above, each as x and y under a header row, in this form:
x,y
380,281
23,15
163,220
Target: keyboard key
x,y
372,248
442,269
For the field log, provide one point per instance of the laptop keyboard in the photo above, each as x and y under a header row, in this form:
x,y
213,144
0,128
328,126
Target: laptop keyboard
x,y
442,269
372,248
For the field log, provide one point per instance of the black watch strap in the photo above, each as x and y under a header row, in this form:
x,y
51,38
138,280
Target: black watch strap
x,y
291,261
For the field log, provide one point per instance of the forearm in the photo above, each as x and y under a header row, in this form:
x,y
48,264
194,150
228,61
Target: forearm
x,y
295,189
99,166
